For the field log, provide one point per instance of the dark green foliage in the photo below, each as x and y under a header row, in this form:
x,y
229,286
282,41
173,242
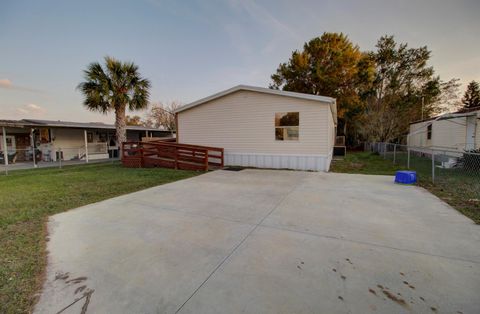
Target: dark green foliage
x,y
332,66
471,98
115,87
378,93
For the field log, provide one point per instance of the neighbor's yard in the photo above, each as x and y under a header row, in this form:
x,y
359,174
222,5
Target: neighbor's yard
x,y
460,191
28,197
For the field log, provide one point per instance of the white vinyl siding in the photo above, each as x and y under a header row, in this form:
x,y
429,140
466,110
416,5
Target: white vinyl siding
x,y
477,133
243,122
446,134
449,133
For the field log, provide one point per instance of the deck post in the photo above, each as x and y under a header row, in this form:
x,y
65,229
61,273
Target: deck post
x,y
176,157
222,156
86,145
5,150
206,160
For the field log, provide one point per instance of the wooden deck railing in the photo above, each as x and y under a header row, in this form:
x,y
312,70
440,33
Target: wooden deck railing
x,y
171,155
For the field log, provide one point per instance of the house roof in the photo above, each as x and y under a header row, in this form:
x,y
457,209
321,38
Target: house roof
x,y
457,114
69,124
323,99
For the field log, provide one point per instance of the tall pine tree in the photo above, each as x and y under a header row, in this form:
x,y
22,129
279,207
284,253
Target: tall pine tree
x,y
472,96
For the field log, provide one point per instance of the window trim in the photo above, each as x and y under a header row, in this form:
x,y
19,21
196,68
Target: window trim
x,y
429,131
285,128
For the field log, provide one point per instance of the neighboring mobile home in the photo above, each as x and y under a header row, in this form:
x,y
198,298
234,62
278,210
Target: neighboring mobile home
x,y
264,128
457,131
70,140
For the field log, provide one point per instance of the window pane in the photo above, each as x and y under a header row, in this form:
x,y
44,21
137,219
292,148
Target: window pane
x,y
287,119
291,133
279,134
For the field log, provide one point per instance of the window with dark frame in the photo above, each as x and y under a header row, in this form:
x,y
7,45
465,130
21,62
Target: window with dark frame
x,y
287,126
429,132
89,137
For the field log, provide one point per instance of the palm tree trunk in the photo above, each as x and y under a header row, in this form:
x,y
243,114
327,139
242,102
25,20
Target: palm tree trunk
x,y
120,126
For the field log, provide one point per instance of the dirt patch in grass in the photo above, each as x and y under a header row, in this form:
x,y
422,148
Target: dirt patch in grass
x,y
29,197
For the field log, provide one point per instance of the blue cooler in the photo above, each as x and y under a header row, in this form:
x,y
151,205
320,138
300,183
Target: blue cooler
x,y
406,177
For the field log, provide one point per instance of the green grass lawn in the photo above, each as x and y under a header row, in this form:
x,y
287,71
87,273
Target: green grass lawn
x,y
457,188
28,197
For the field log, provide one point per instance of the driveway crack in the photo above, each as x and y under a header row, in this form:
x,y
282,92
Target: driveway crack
x,y
240,243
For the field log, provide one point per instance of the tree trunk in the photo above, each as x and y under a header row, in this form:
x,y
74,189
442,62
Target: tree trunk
x,y
120,127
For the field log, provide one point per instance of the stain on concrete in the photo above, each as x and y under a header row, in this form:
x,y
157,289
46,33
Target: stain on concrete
x,y
80,289
394,298
62,276
76,280
409,285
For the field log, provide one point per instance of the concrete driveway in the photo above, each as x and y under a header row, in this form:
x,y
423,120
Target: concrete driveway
x,y
261,241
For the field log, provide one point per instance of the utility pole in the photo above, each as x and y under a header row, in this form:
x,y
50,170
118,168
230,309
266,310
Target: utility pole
x,y
423,103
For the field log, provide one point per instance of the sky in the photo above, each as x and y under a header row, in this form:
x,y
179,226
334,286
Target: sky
x,y
193,48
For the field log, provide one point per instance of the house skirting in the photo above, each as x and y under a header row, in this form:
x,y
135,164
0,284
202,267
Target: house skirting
x,y
278,161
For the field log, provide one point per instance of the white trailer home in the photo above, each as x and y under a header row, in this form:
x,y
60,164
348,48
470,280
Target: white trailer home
x,y
263,128
458,131
53,140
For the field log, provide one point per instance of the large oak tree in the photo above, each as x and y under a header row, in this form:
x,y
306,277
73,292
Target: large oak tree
x,y
330,65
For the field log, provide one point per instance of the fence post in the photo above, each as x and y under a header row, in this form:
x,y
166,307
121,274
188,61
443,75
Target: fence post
x,y
5,150
384,150
394,153
408,157
433,166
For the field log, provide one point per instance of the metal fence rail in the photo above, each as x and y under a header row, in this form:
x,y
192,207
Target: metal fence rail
x,y
24,158
454,169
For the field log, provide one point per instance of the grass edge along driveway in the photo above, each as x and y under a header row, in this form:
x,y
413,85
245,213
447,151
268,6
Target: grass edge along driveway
x,y
28,197
451,191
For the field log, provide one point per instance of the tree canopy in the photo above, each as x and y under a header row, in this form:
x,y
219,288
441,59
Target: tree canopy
x,y
161,115
329,65
115,86
134,120
378,92
472,96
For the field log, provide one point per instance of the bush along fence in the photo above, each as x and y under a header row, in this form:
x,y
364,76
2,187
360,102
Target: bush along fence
x,y
453,169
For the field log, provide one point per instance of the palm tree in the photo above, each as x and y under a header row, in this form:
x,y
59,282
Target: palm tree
x,y
115,87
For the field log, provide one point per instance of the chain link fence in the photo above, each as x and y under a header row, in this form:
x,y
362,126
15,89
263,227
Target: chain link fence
x,y
450,169
21,159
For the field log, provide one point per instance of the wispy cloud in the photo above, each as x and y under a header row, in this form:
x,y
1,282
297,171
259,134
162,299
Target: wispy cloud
x,y
7,84
262,16
276,32
32,110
